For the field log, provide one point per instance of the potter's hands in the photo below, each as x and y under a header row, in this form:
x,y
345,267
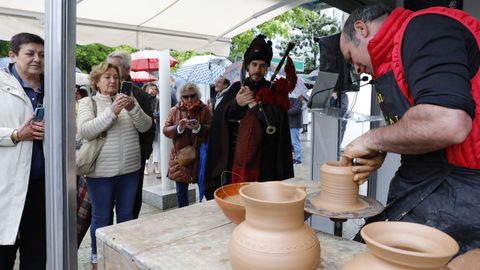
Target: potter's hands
x,y
245,96
365,160
363,167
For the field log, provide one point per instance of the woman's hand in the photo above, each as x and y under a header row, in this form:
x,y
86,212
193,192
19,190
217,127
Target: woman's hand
x,y
120,102
26,132
193,124
182,124
38,129
130,103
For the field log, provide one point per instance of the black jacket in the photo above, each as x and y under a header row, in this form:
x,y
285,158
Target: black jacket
x,y
295,113
146,138
220,142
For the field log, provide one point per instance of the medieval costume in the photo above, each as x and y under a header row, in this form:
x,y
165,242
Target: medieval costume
x,y
260,154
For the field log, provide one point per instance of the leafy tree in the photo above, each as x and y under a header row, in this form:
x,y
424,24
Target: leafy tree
x,y
279,26
299,25
182,57
93,54
4,45
304,36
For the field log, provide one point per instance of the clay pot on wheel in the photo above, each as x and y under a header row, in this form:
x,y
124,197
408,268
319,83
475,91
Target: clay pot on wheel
x,y
403,246
274,235
339,193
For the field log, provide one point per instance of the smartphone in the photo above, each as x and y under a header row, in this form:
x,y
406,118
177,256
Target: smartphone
x,y
39,113
126,88
192,121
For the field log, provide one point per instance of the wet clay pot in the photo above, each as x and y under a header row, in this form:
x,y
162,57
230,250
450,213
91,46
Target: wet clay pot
x,y
339,193
403,246
273,235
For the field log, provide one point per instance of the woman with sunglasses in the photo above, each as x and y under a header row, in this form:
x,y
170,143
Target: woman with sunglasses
x,y
187,124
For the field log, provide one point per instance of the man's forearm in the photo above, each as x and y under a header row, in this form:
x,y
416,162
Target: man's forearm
x,y
422,129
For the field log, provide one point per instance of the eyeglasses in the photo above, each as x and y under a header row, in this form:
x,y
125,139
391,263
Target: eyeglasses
x,y
189,96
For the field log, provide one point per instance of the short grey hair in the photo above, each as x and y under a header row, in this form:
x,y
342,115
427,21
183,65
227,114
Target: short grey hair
x,y
188,86
364,14
124,56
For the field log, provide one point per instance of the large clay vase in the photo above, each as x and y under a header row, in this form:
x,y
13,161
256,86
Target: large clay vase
x,y
274,235
338,191
403,246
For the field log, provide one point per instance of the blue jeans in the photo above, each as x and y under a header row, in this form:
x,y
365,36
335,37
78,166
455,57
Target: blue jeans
x,y
297,147
182,194
107,192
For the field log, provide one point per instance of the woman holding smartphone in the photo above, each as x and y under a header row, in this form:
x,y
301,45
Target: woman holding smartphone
x,y
114,181
22,170
187,124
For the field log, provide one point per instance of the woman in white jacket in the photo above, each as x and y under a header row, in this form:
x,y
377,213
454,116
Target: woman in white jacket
x,y
22,163
115,178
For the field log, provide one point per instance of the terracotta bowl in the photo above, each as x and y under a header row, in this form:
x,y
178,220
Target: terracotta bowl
x,y
409,244
229,200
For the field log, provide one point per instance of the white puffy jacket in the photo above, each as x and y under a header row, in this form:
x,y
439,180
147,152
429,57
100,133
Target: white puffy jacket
x,y
121,152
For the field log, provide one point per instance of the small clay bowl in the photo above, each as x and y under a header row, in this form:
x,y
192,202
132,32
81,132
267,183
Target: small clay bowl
x,y
409,244
228,199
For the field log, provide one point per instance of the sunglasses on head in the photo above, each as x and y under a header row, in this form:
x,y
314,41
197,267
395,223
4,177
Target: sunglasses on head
x,y
189,96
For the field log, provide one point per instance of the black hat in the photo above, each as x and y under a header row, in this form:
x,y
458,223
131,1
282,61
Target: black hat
x,y
259,49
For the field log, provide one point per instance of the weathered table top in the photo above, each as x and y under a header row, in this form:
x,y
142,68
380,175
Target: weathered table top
x,y
194,237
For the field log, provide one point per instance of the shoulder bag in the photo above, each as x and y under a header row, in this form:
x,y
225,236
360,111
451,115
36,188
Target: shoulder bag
x,y
188,154
88,153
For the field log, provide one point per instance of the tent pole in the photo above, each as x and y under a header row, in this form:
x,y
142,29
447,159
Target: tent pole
x,y
165,103
60,180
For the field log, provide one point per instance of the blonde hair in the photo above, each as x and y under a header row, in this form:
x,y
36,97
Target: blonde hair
x,y
188,86
98,71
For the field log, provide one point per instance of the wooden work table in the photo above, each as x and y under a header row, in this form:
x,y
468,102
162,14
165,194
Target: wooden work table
x,y
194,237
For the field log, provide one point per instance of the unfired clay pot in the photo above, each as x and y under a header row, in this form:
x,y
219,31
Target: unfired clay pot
x,y
403,246
273,235
339,193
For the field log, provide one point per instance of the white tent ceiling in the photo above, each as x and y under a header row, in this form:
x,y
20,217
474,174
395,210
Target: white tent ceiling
x,y
197,25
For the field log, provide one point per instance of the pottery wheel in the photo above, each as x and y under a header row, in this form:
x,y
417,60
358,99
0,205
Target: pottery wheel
x,y
373,208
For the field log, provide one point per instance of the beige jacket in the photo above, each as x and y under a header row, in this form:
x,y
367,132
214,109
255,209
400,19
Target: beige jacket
x,y
121,152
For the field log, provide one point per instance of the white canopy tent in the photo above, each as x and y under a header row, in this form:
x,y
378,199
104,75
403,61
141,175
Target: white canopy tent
x,y
202,26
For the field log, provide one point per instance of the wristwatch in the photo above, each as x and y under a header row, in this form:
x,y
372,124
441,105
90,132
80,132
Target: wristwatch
x,y
14,137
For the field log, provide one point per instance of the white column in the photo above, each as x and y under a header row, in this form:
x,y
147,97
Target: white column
x,y
165,103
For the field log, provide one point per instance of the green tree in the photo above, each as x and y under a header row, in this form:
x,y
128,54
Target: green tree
x,y
93,54
279,26
299,25
4,45
304,36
